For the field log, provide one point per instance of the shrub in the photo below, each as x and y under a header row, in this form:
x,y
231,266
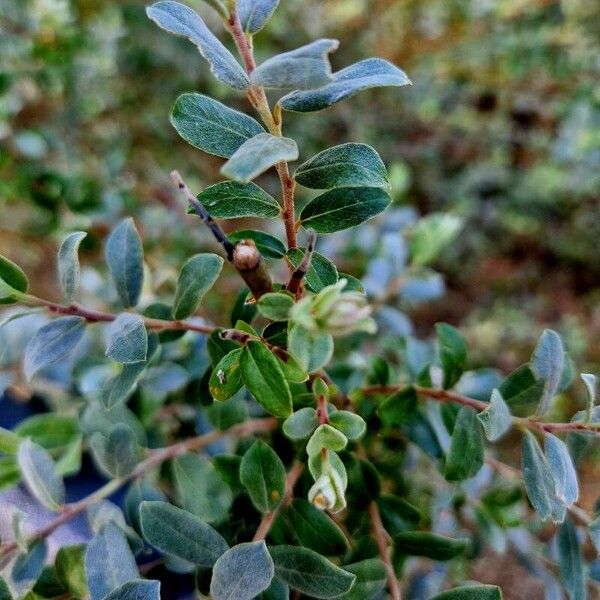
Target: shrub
x,y
335,466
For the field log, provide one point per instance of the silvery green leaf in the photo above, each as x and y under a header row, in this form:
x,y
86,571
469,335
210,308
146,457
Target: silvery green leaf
x,y
304,68
570,561
211,126
68,264
547,364
19,315
118,388
51,343
590,384
347,165
181,534
255,13
182,20
496,418
127,339
27,568
125,258
109,562
539,481
368,73
140,589
313,351
242,572
196,277
370,579
40,475
258,154
562,468
301,424
118,454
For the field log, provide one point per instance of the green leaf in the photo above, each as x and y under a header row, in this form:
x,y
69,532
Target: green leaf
x,y
125,258
258,154
109,562
314,529
226,378
590,383
198,274
521,388
52,343
263,475
4,590
453,353
200,489
562,468
368,73
118,454
310,573
12,281
570,561
50,430
547,364
430,545
211,126
181,20
181,534
325,436
496,418
275,305
343,208
140,589
127,339
243,572
539,481
233,200
9,441
301,424
304,68
466,452
350,424
255,13
28,567
268,245
40,475
471,592
313,351
398,408
68,264
431,235
322,271
370,579
347,165
70,570
264,378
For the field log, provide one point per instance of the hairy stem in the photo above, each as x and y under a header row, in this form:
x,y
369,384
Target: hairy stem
x,y
156,458
258,99
478,405
269,518
382,539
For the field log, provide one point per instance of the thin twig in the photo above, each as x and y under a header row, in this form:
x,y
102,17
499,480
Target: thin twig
x,y
269,518
383,540
294,284
156,458
478,405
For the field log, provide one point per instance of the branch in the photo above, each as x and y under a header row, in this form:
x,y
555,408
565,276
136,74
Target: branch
x,y
269,518
96,316
301,270
382,539
478,405
258,99
156,458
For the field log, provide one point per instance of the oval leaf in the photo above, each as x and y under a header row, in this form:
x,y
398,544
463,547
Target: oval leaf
x,y
495,419
423,543
275,305
255,13
226,378
242,572
196,277
182,20
547,364
125,259
258,154
453,353
211,126
233,200
350,424
181,534
140,589
344,207
368,73
347,165
12,279
51,343
301,424
127,339
466,452
68,264
563,470
570,561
